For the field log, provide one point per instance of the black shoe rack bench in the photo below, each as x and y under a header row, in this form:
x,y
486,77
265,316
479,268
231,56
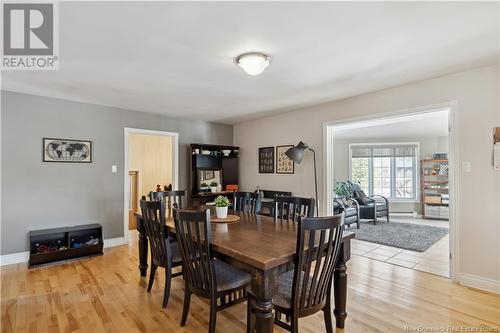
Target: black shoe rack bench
x,y
51,245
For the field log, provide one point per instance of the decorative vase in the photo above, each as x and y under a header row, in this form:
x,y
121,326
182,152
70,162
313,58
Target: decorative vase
x,y
221,212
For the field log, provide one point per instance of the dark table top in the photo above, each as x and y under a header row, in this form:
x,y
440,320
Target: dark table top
x,y
256,240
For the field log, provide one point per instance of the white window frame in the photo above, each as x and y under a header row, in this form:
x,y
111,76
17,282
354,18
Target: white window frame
x,y
393,169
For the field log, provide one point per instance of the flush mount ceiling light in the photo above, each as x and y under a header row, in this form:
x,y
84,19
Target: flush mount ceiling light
x,y
253,63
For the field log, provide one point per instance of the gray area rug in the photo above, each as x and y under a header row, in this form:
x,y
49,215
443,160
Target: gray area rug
x,y
408,236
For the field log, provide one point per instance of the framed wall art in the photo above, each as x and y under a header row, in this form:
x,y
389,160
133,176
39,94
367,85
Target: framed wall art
x,y
266,160
283,163
67,150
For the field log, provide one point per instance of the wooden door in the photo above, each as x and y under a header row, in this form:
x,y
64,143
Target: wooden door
x,y
134,199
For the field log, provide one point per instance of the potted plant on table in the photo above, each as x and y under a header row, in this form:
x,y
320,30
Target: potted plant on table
x,y
213,187
221,204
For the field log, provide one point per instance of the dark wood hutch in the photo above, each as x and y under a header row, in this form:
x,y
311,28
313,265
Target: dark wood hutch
x,y
205,159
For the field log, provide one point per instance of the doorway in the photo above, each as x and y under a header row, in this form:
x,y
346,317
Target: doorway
x,y
151,160
409,160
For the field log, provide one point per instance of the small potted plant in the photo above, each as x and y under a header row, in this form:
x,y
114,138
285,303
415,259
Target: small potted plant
x,y
221,204
204,186
213,187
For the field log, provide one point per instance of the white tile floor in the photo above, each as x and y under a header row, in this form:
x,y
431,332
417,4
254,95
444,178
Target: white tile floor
x,y
434,260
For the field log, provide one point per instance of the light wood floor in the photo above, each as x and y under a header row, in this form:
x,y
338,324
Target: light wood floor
x,y
105,293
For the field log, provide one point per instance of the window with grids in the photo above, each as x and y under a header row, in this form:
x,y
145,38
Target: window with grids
x,y
388,170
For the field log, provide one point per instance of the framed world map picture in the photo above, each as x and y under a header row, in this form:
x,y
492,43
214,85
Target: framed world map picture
x,y
67,150
283,163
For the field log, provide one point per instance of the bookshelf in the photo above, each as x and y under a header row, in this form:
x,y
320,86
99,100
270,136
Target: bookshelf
x,y
434,188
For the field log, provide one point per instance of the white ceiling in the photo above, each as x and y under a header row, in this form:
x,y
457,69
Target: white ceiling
x,y
177,58
424,125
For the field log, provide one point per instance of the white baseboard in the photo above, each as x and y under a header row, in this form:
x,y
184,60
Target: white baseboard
x,y
478,282
14,258
20,257
112,242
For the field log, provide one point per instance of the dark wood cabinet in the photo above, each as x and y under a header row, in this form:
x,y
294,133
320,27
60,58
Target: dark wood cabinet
x,y
224,160
50,245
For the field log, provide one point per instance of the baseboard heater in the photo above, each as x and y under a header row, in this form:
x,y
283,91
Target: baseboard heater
x,y
408,214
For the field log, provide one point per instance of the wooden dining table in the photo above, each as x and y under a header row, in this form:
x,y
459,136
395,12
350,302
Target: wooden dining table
x,y
265,248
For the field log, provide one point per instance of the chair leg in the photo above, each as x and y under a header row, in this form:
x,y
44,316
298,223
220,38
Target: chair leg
x,y
213,315
185,308
250,316
327,312
168,280
295,323
152,276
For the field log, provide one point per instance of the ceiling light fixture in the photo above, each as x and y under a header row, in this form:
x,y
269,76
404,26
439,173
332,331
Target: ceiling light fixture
x,y
253,63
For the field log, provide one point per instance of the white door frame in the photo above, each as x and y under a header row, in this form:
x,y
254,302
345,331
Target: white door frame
x,y
452,106
126,178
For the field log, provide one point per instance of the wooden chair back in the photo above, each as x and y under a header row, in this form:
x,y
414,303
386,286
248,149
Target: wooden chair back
x,y
170,198
292,208
153,214
318,246
247,202
194,236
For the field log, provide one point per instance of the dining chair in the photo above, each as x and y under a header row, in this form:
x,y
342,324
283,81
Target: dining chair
x,y
291,208
205,276
247,202
305,291
164,253
170,198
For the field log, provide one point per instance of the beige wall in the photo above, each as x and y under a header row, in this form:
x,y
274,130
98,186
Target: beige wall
x,y
151,155
428,145
477,95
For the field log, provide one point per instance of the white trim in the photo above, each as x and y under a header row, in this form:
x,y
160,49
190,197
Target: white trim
x,y
14,258
454,157
20,257
478,282
112,242
328,172
454,190
126,178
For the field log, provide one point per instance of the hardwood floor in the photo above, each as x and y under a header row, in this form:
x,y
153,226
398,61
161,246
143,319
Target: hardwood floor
x,y
106,294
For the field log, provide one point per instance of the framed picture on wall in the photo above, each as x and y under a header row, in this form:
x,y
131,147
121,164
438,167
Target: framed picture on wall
x,y
67,150
283,163
266,160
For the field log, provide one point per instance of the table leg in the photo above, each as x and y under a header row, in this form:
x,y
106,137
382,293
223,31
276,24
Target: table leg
x,y
264,287
143,247
340,284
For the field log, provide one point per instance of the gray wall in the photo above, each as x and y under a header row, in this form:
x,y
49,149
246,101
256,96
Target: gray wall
x,y
38,195
428,145
476,94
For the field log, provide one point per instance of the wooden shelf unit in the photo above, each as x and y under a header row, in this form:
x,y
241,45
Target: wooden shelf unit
x,y
434,186
215,160
65,242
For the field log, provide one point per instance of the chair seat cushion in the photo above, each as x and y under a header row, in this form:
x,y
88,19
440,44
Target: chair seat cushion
x,y
351,211
284,295
285,284
176,253
229,277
